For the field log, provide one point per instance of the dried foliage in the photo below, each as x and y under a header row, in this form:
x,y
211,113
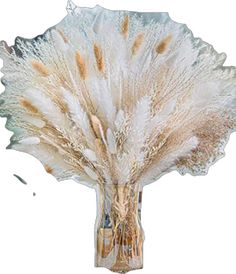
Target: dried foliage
x,y
118,98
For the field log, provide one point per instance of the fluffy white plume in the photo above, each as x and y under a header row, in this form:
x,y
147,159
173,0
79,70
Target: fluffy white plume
x,y
34,121
90,173
90,155
111,141
30,141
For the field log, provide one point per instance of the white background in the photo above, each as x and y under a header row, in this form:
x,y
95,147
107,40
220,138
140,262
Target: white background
x,y
189,222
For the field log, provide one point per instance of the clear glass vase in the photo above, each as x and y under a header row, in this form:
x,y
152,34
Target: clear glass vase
x,y
118,232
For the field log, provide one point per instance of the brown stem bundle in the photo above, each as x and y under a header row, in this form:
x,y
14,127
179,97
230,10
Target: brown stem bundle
x,y
119,239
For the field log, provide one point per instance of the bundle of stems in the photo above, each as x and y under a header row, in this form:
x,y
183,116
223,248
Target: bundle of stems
x,y
119,239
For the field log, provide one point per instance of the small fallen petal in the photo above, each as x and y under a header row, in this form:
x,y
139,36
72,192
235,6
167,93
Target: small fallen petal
x,y
20,179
